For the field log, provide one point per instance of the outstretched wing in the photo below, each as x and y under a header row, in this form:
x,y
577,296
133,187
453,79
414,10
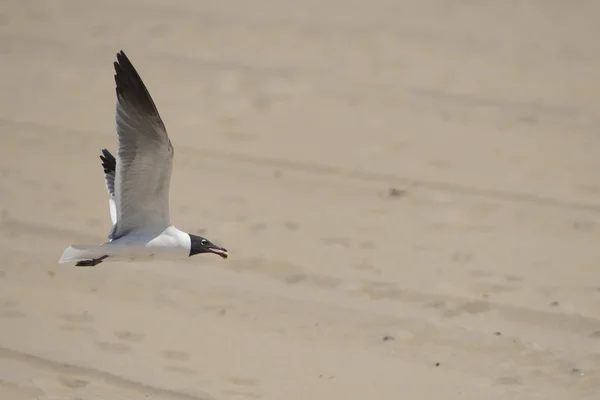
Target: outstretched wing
x,y
144,156
109,164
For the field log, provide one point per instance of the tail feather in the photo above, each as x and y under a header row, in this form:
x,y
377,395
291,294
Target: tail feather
x,y
79,252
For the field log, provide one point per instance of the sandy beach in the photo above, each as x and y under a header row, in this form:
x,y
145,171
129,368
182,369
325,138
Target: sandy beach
x,y
409,191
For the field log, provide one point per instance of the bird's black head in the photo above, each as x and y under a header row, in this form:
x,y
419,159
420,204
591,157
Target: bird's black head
x,y
201,245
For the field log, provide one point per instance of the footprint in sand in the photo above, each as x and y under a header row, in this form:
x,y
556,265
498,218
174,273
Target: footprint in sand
x,y
8,309
513,278
83,318
509,380
236,380
174,355
13,390
181,370
11,314
72,382
77,322
470,307
242,387
475,307
129,336
178,357
7,303
77,328
109,347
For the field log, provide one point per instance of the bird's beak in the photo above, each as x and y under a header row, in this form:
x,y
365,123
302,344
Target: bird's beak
x,y
220,251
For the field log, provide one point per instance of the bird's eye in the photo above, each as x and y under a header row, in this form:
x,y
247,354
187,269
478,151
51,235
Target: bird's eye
x,y
204,242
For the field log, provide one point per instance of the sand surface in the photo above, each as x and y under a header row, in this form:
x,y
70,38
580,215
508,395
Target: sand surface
x,y
478,278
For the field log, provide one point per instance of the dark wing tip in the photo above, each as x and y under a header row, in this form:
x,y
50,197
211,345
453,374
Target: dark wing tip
x,y
130,88
109,164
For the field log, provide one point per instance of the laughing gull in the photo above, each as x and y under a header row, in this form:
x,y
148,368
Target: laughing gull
x,y
138,183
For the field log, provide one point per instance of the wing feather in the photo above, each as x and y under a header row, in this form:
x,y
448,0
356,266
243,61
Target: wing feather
x,y
144,156
109,165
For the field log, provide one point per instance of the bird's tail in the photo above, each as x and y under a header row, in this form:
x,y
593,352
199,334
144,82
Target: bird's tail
x,y
79,252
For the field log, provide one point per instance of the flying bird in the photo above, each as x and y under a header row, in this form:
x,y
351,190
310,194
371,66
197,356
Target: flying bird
x,y
138,181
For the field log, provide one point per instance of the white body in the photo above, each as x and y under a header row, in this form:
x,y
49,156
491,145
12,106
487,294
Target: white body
x,y
136,246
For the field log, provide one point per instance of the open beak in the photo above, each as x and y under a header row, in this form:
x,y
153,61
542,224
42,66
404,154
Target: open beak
x,y
220,251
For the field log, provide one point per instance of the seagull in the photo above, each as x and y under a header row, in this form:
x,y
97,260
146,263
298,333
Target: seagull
x,y
138,183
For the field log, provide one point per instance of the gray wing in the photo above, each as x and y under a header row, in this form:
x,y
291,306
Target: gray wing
x,y
109,165
144,156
